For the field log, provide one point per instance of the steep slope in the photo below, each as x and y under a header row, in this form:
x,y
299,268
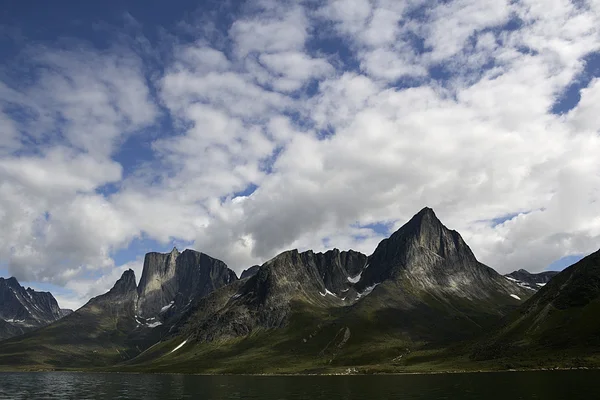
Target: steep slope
x,y
266,299
247,273
126,320
433,258
171,281
22,310
529,280
96,334
560,322
301,311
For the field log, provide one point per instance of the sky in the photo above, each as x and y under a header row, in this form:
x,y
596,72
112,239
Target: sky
x,y
243,129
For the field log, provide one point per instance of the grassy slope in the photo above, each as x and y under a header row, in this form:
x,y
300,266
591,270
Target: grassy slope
x,y
559,325
381,333
85,339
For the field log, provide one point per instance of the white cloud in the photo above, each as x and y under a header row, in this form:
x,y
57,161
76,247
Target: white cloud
x,y
274,29
585,117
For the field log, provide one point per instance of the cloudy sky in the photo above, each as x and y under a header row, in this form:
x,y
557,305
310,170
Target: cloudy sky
x,y
245,129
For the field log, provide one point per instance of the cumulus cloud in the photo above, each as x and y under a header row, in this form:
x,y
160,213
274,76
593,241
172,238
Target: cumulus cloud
x,y
304,126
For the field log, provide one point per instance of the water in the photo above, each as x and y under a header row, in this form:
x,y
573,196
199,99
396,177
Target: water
x,y
548,385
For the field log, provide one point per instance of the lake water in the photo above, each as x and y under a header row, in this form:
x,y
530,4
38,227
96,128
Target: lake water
x,y
548,385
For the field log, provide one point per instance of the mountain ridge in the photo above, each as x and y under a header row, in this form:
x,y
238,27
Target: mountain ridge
x,y
422,291
23,309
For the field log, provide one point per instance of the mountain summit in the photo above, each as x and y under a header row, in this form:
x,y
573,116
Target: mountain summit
x,y
423,248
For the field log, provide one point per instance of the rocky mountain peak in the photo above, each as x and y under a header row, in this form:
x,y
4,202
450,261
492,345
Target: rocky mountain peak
x,y
530,280
247,273
421,244
178,277
10,282
25,309
126,283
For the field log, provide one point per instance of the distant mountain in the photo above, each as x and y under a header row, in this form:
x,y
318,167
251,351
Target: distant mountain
x,y
121,323
247,273
529,280
422,286
22,310
558,325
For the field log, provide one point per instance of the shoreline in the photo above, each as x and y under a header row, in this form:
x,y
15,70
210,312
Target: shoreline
x,y
308,374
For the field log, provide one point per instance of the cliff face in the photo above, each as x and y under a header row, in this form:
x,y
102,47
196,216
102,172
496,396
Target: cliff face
x,y
265,299
25,309
175,279
434,258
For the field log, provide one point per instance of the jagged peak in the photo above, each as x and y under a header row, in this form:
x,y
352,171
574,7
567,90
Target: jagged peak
x,y
426,215
125,283
12,281
426,211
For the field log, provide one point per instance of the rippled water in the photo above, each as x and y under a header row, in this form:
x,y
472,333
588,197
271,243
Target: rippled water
x,y
549,385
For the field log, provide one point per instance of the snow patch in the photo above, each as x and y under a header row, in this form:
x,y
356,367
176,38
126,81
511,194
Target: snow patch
x,y
541,284
235,296
354,279
327,292
165,308
366,292
511,279
514,296
154,324
180,346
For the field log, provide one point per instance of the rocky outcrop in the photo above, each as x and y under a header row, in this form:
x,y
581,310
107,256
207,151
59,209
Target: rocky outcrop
x,y
175,279
25,309
265,299
531,281
247,273
434,258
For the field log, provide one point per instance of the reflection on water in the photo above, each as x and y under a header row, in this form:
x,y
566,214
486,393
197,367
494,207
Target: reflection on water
x,y
551,385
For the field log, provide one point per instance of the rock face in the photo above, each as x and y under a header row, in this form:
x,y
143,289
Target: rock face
x,y
25,309
175,279
247,273
434,258
264,299
532,281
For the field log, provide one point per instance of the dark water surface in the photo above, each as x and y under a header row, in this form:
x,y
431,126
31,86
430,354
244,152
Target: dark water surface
x,y
549,385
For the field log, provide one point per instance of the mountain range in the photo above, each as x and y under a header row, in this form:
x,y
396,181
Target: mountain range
x,y
421,301
22,310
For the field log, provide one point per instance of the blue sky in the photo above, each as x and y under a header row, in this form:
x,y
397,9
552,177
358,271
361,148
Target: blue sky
x,y
242,129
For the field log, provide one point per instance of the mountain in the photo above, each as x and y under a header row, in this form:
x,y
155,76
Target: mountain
x,y
306,311
247,273
559,325
529,280
127,319
22,310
